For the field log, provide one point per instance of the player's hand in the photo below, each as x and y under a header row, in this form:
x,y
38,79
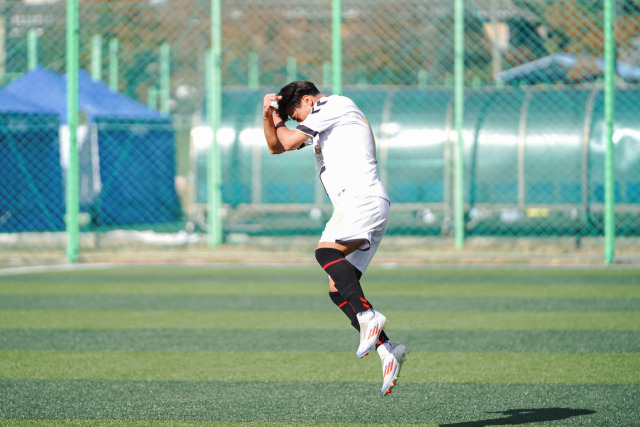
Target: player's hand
x,y
267,108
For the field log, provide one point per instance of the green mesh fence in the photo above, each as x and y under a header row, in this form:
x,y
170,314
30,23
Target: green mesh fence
x,y
533,132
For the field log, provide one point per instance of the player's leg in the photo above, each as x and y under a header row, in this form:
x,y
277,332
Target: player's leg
x,y
345,281
343,305
392,355
347,235
347,309
343,274
345,277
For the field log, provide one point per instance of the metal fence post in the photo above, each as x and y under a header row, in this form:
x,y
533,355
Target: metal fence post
x,y
609,96
32,49
165,78
214,104
458,200
336,46
113,64
253,70
72,191
96,57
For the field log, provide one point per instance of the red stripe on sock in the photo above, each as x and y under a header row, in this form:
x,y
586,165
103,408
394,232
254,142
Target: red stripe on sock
x,y
340,306
333,262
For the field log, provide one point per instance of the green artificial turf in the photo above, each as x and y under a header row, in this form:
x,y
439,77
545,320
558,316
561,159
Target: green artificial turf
x,y
210,346
526,341
251,319
331,366
409,282
309,302
444,404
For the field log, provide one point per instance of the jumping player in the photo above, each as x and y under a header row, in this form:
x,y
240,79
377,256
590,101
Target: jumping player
x,y
344,149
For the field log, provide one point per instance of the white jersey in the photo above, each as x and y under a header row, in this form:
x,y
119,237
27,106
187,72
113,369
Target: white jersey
x,y
344,148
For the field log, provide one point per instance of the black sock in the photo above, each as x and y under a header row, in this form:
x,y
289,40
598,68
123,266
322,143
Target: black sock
x,y
348,311
346,308
345,277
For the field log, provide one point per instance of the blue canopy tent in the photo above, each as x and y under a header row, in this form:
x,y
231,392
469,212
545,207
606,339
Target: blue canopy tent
x,y
136,173
31,189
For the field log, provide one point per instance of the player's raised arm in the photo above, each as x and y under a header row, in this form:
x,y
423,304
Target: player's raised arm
x,y
270,119
279,137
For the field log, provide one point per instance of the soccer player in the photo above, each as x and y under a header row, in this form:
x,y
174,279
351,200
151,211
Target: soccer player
x,y
344,149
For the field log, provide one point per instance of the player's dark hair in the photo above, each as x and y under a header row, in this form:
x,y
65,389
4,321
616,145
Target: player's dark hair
x,y
292,97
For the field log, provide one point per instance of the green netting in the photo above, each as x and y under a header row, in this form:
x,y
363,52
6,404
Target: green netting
x,y
533,131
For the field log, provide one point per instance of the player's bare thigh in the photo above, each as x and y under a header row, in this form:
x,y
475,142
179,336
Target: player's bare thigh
x,y
347,248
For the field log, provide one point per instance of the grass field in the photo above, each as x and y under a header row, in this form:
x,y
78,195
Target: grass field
x,y
220,345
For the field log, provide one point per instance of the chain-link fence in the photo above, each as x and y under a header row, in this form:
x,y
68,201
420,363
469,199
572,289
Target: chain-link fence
x,y
533,133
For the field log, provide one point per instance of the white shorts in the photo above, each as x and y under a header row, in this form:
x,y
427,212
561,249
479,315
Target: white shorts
x,y
357,219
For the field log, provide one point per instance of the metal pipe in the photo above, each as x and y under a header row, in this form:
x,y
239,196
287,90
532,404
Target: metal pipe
x,y
214,105
609,101
458,200
114,46
165,78
336,45
72,185
96,57
32,49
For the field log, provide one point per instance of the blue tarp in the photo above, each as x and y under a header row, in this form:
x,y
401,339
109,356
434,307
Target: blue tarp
x,y
47,89
136,148
137,169
10,103
31,189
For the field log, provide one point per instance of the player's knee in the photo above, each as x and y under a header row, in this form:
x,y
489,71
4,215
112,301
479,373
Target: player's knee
x,y
326,256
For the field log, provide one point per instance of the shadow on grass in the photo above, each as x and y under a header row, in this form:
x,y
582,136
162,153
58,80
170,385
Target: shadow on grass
x,y
525,416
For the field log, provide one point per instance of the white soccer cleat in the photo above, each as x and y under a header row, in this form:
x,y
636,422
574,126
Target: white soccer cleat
x,y
371,324
392,355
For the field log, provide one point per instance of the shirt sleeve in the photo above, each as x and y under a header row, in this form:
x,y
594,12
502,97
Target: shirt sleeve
x,y
306,144
324,115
